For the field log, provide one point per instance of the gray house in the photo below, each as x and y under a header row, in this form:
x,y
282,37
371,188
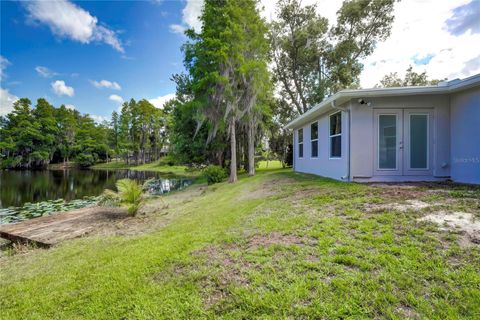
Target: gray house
x,y
429,133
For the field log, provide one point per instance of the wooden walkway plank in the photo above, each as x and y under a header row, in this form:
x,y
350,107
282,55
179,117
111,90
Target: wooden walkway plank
x,y
52,229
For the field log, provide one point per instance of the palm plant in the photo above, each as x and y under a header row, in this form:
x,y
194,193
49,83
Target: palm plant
x,y
129,194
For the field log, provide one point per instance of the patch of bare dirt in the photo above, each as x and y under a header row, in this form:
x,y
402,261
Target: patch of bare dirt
x,y
462,222
406,312
411,204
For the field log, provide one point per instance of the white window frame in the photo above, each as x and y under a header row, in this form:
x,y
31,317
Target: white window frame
x,y
330,136
313,140
300,143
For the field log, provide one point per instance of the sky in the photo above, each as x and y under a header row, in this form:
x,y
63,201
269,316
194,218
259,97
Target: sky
x,y
93,55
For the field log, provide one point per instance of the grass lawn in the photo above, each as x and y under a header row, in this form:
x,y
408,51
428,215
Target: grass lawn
x,y
276,245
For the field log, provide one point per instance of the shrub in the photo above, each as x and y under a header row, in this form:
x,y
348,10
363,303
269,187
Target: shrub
x,y
85,160
129,194
214,174
167,161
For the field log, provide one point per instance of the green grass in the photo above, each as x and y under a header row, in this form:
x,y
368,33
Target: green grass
x,y
269,165
276,245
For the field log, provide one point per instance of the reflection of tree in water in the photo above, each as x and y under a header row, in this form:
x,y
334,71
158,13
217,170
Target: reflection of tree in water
x,y
18,187
161,186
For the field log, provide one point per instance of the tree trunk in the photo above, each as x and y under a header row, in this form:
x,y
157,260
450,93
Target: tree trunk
x,y
251,147
233,150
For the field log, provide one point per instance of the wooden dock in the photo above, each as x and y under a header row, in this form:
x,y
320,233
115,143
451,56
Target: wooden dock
x,y
50,230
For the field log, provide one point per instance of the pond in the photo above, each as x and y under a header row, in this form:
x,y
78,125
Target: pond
x,y
46,191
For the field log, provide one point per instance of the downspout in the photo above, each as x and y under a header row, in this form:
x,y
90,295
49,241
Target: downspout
x,y
334,106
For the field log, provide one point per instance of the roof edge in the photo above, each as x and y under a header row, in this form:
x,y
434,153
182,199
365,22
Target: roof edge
x,y
444,88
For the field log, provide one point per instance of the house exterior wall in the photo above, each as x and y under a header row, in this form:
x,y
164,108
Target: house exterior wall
x,y
323,165
465,135
362,131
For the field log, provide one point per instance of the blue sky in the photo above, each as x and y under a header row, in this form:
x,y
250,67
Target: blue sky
x,y
140,62
92,55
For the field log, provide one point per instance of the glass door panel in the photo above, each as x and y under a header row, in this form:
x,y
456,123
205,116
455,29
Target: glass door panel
x,y
387,141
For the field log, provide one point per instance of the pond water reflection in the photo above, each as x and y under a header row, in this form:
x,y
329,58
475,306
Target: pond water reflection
x,y
19,187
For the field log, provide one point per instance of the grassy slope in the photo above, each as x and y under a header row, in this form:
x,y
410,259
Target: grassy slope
x,y
322,256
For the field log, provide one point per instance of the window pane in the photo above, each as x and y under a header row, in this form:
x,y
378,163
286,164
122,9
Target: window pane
x,y
336,123
387,148
336,147
300,150
418,141
315,149
314,131
300,135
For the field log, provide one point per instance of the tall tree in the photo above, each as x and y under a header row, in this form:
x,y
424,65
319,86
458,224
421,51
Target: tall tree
x,y
66,132
227,66
313,60
115,132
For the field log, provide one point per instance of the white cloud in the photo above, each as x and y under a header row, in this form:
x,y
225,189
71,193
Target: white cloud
x,y
6,101
45,72
158,102
68,20
70,106
191,14
116,98
98,119
3,65
60,88
177,28
190,17
106,84
417,34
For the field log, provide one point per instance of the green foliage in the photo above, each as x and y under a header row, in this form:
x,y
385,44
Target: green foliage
x,y
129,194
412,78
313,60
44,208
227,79
35,137
85,160
167,160
214,174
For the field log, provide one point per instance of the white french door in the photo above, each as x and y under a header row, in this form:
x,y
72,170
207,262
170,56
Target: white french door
x,y
403,141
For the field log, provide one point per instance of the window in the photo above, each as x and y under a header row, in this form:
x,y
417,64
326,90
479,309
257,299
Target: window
x,y
300,143
336,135
314,139
418,141
387,141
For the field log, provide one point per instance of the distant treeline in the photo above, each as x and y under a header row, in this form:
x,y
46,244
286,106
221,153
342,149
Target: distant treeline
x,y
32,137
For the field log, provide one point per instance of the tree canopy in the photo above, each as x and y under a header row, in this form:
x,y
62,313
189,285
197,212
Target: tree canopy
x,y
411,79
314,59
32,137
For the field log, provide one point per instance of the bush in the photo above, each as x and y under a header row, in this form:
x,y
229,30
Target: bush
x,y
167,161
85,160
214,174
129,194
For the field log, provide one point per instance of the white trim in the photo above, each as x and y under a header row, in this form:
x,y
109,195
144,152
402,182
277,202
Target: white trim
x,y
300,143
335,135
